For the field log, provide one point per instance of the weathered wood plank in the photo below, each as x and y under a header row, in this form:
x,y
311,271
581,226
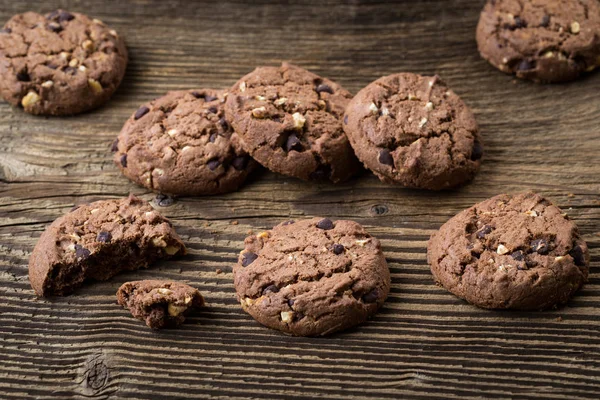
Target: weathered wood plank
x,y
424,344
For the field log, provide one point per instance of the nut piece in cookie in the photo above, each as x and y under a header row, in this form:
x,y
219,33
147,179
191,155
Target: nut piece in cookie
x,y
182,144
97,241
412,130
60,63
515,252
160,304
544,41
290,121
312,277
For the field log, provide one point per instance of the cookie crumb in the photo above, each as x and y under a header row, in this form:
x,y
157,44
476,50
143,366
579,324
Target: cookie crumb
x,y
234,222
559,319
218,271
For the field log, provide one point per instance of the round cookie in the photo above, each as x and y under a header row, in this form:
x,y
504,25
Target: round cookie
x,y
181,144
541,40
290,122
312,277
510,252
413,131
59,64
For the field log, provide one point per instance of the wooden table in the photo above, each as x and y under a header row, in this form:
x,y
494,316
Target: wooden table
x,y
424,344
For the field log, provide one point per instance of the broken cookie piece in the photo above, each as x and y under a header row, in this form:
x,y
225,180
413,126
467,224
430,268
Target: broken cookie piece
x,y
160,304
99,240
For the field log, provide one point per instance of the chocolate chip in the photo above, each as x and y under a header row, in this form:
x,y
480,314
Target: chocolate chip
x,y
163,200
115,145
518,255
338,249
223,122
5,30
520,23
477,152
290,222
213,164
545,21
209,98
270,289
65,16
248,258
526,65
213,110
213,137
540,246
483,232
104,237
290,302
371,297
143,110
23,76
293,143
324,88
323,172
124,160
385,157
198,95
240,163
71,70
81,252
578,256
325,224
54,27
345,120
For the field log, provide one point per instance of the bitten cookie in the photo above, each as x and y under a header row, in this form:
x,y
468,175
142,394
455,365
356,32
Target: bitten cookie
x,y
510,252
312,277
290,121
412,130
97,241
541,40
59,64
160,304
181,144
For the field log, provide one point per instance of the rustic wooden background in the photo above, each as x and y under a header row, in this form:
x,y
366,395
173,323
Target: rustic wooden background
x,y
424,344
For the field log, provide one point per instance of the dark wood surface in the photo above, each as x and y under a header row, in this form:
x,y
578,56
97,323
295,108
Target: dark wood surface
x,y
424,344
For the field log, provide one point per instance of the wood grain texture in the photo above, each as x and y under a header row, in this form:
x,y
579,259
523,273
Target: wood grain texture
x,y
424,344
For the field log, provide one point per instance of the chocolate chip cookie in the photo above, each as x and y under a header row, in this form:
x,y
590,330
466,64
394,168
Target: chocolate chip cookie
x,y
541,40
181,144
516,252
160,304
97,241
290,121
59,64
312,277
414,131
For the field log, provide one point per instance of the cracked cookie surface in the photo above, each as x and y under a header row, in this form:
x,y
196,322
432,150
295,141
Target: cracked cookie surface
x,y
312,277
97,241
412,130
290,121
159,303
59,64
510,252
181,144
541,40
